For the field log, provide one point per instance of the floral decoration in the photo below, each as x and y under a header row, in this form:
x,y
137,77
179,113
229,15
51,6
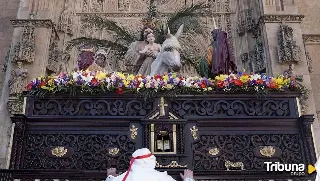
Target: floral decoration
x,y
97,82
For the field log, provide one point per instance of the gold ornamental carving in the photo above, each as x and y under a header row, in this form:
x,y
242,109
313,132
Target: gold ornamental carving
x,y
228,164
134,132
59,151
173,164
214,151
113,151
194,131
267,151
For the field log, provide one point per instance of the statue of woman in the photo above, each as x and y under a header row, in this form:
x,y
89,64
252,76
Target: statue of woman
x,y
151,49
18,82
100,61
133,55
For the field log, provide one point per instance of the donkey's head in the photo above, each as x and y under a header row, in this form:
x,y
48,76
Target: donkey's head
x,y
170,50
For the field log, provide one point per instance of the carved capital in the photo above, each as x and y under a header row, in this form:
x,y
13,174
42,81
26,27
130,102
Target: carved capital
x,y
32,22
270,18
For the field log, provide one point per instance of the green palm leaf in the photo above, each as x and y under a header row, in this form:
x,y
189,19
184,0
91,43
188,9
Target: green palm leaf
x,y
119,48
110,25
187,16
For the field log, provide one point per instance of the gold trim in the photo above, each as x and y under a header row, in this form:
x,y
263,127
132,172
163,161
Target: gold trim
x,y
59,151
174,135
113,151
134,132
214,151
229,164
173,164
193,131
267,151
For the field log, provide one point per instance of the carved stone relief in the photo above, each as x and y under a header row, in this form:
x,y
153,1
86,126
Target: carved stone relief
x,y
25,48
66,22
309,62
18,82
15,105
288,51
56,62
123,5
245,22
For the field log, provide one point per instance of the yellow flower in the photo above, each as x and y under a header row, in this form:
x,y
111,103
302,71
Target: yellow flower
x,y
279,81
121,75
244,78
221,77
130,77
101,75
126,83
165,77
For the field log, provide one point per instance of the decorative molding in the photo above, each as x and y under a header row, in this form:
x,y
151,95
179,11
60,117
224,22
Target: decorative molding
x,y
270,18
214,151
228,164
194,131
113,151
245,22
134,132
173,164
311,38
32,22
16,105
267,151
59,151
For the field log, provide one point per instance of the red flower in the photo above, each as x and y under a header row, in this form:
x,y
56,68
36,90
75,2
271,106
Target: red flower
x,y
119,91
219,83
273,85
42,84
259,81
29,86
158,77
237,82
94,81
138,84
203,85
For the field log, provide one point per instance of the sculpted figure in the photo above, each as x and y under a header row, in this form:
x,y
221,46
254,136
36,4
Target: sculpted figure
x,y
100,61
142,168
86,57
133,55
168,59
153,49
18,81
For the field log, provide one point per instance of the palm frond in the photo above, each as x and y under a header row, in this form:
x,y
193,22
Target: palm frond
x,y
110,25
185,15
119,48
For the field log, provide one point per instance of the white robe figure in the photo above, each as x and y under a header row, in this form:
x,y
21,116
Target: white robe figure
x,y
143,165
317,166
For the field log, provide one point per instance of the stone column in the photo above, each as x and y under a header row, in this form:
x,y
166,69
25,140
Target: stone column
x,y
30,45
284,13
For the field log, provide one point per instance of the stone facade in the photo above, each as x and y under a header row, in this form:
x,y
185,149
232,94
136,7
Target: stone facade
x,y
256,29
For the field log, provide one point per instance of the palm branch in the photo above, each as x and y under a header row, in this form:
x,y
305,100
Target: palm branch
x,y
187,16
119,48
120,32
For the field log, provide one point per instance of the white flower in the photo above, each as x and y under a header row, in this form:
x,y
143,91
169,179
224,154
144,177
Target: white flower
x,y
255,77
87,78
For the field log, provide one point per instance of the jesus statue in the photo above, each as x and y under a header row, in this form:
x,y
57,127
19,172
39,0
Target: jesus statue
x,y
142,168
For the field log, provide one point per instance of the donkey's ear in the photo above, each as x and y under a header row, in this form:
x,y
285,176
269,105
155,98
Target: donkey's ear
x,y
179,32
168,33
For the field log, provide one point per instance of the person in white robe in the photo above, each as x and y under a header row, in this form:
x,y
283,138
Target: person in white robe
x,y
142,168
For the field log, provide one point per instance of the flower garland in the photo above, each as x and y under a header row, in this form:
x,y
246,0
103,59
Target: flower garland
x,y
97,82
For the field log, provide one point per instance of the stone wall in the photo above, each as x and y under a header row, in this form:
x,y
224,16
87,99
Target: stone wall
x,y
311,33
8,11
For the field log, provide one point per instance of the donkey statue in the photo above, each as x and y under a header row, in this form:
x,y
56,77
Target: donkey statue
x,y
168,60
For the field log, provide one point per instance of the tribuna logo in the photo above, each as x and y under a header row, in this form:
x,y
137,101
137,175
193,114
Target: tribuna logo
x,y
294,169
